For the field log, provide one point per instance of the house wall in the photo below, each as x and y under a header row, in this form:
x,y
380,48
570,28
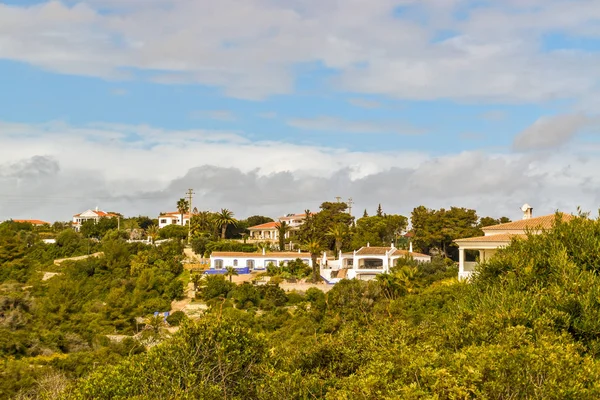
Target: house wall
x,y
260,262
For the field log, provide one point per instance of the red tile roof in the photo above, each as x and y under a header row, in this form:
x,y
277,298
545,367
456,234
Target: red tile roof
x,y
500,238
32,221
380,251
543,222
268,225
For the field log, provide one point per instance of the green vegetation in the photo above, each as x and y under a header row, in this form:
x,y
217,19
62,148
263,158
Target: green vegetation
x,y
525,327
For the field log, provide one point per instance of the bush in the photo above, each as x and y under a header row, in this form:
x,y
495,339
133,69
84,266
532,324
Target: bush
x,y
216,286
176,318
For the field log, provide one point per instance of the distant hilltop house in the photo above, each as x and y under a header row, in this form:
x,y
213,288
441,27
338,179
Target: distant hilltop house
x,y
172,218
499,236
366,263
94,215
269,233
245,263
34,222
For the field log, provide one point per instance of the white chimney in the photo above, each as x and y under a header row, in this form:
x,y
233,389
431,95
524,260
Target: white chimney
x,y
96,208
527,211
410,247
264,251
392,245
368,244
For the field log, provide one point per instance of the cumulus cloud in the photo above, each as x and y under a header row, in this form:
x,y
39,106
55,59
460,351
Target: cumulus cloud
x,y
51,173
495,54
551,132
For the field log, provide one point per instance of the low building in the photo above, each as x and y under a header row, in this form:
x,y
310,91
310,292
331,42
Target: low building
x,y
248,262
481,248
269,233
172,218
366,262
34,222
91,215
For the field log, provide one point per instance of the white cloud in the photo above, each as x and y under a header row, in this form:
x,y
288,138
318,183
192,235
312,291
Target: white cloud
x,y
53,170
551,132
334,124
250,49
364,103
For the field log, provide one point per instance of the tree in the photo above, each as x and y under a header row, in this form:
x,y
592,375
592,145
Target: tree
x,y
379,211
489,221
152,232
314,247
365,214
339,232
317,225
196,280
282,229
224,219
183,207
439,228
231,272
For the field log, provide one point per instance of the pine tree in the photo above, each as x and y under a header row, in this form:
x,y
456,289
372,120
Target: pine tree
x,y
379,211
365,214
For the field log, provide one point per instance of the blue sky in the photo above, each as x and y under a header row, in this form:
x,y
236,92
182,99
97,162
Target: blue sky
x,y
347,94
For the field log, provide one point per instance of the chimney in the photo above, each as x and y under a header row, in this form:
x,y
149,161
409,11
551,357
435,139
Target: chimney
x,y
264,251
410,247
96,208
392,245
527,211
368,244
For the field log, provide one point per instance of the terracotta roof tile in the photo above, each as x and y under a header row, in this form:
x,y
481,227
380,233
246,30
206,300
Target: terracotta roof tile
x,y
543,222
400,252
268,225
32,221
502,237
372,251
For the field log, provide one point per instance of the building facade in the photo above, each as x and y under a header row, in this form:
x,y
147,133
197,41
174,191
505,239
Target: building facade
x,y
248,262
91,215
365,263
172,218
495,237
269,233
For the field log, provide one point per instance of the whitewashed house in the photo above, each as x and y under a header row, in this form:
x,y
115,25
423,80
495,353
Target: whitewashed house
x,y
499,236
172,218
365,263
91,215
269,233
245,263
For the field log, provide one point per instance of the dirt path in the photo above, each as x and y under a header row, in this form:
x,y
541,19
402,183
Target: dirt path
x,y
61,260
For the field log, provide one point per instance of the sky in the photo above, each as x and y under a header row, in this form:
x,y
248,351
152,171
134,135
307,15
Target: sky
x,y
271,107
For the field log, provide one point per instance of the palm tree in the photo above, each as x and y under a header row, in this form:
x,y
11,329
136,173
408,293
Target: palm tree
x,y
231,272
152,232
313,246
224,219
282,228
183,206
196,279
339,231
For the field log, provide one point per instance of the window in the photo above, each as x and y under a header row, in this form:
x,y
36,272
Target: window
x,y
218,264
370,263
235,263
250,264
163,221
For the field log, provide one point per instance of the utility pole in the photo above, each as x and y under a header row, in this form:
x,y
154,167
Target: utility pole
x,y
350,202
190,194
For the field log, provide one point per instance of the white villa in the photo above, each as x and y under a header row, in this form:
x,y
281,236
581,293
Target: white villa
x,y
268,232
365,263
247,262
498,236
94,215
172,218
